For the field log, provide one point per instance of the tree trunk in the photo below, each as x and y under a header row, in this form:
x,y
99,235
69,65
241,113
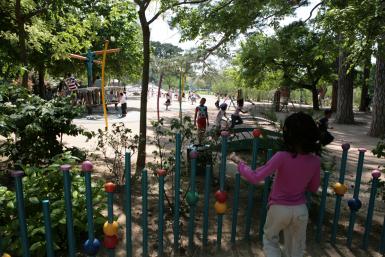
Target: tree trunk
x,y
377,128
344,113
41,86
141,160
22,44
365,87
334,95
314,93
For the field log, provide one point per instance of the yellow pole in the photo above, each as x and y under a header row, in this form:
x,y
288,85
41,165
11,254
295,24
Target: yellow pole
x,y
103,92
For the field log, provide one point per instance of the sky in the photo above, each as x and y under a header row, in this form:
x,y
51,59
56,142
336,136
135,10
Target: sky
x,y
160,30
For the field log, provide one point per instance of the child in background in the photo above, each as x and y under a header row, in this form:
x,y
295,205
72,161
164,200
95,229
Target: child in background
x,y
297,170
221,114
236,117
323,125
202,119
168,101
123,103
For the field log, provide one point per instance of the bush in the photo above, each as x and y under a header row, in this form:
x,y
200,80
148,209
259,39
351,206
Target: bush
x,y
47,183
33,127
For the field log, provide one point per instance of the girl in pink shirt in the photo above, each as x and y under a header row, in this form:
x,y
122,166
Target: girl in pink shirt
x,y
297,170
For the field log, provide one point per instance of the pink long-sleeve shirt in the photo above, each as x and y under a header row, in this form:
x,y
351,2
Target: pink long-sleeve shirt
x,y
293,177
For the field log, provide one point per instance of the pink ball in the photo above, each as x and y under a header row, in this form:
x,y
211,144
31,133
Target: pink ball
x,y
225,133
87,166
345,146
376,173
193,154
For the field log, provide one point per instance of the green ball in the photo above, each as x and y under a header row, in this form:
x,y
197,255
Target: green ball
x,y
192,198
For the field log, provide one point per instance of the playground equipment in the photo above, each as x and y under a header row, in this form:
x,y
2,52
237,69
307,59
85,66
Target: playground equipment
x,y
89,59
222,199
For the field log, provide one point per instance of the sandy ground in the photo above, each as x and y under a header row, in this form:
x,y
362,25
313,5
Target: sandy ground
x,y
353,134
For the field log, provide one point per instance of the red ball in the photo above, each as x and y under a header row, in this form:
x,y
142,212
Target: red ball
x,y
110,242
221,196
161,172
109,187
257,133
376,173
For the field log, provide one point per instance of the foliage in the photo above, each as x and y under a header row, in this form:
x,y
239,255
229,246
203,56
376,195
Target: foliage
x,y
164,139
47,183
33,127
119,140
379,151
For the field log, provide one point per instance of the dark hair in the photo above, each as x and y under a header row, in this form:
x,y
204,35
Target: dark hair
x,y
328,111
223,106
301,134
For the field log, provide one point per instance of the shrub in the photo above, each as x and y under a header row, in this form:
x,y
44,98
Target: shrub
x,y
47,183
34,127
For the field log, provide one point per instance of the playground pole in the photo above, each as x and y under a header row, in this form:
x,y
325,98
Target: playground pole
x,y
265,196
47,229
103,92
345,148
127,175
21,211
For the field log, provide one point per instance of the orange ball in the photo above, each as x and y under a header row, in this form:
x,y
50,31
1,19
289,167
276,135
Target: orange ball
x,y
340,189
220,208
110,229
109,187
6,255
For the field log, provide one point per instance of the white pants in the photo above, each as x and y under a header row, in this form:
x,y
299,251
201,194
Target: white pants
x,y
292,220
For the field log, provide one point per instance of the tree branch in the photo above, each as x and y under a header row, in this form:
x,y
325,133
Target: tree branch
x,y
312,10
31,14
175,5
210,50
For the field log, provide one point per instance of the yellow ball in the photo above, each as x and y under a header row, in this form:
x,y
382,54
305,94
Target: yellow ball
x,y
340,189
220,208
6,255
111,229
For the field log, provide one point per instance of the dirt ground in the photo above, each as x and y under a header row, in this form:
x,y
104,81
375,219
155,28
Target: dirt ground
x,y
353,134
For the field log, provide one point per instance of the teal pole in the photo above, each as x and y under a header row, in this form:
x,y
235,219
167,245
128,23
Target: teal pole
x,y
161,215
68,203
90,216
206,206
127,170
251,189
177,194
382,242
21,211
369,217
354,207
144,212
337,208
110,211
47,229
235,207
192,200
265,196
222,175
321,216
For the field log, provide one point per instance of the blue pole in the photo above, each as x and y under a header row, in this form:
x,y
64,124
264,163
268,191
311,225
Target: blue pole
x,y
251,189
353,212
47,227
222,175
345,148
265,196
160,217
90,216
110,210
235,208
68,203
127,175
206,206
21,211
144,213
321,216
192,205
176,194
369,217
